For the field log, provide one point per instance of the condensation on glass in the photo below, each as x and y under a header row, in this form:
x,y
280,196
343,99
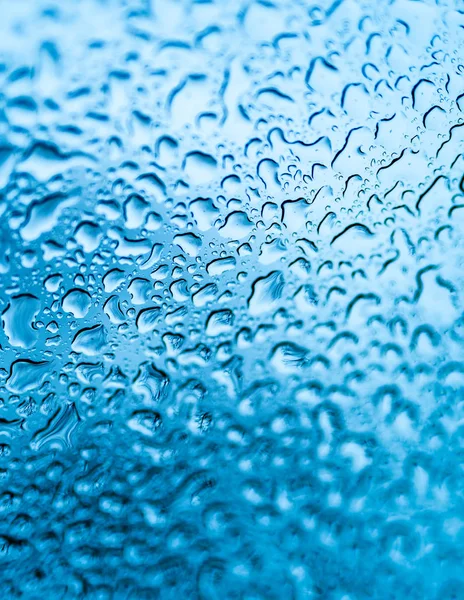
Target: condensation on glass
x,y
231,297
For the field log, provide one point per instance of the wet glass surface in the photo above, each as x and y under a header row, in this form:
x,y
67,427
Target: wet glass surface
x,y
231,298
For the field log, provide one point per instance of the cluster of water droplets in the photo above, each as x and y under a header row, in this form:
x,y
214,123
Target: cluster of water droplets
x,y
231,276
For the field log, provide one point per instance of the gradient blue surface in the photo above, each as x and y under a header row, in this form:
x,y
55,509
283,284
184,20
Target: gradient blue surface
x,y
231,298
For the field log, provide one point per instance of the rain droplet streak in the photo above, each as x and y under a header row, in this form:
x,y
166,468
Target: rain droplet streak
x,y
231,299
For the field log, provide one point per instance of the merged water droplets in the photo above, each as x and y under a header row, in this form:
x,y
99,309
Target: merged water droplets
x,y
19,319
77,302
231,299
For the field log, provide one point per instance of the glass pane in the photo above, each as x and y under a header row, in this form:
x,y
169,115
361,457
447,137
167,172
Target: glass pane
x,y
231,298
